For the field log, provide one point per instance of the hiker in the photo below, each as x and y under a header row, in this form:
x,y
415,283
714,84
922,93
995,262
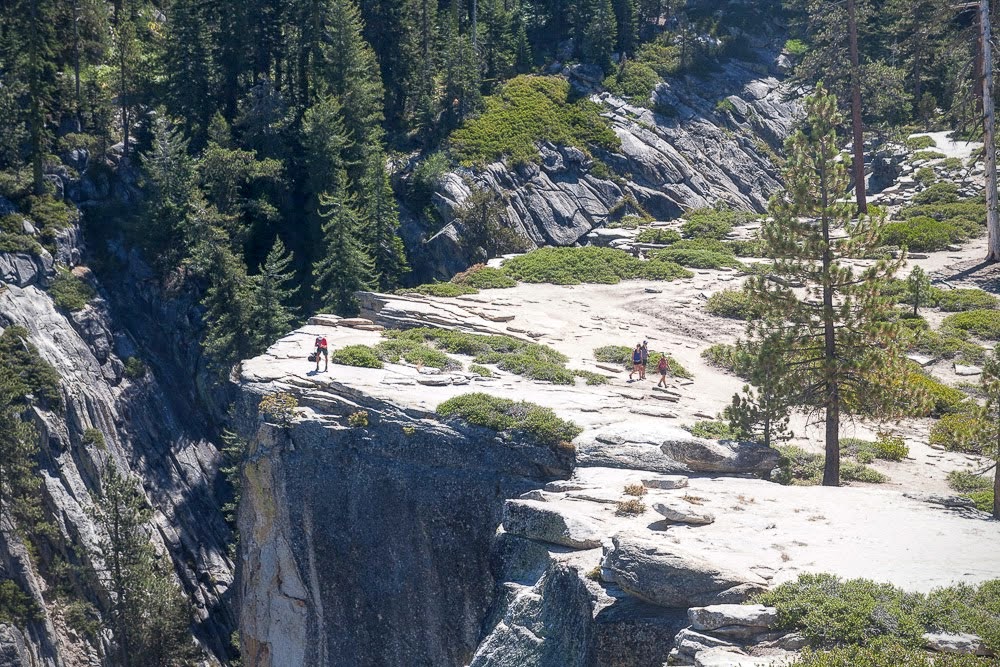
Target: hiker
x,y
321,349
636,362
645,360
663,367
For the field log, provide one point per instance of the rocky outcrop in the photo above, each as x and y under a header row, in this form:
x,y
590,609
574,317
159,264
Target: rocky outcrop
x,y
701,141
673,577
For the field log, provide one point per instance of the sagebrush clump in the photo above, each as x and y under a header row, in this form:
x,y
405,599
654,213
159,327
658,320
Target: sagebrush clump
x,y
539,424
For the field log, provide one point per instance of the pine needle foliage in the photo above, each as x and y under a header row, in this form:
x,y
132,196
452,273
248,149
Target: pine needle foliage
x,y
840,351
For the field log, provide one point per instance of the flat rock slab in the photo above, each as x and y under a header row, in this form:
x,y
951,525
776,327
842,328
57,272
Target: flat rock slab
x,y
957,643
325,320
721,657
354,322
541,521
717,616
681,512
703,455
921,359
665,482
967,370
690,643
663,574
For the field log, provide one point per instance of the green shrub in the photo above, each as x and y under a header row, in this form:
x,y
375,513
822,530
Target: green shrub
x,y
527,110
829,611
982,323
858,472
279,407
481,371
541,425
20,357
358,419
921,234
135,368
983,500
69,292
947,344
713,223
796,47
634,81
16,607
658,235
919,142
49,213
14,243
484,277
661,56
960,432
630,507
622,354
968,215
939,193
925,176
530,360
798,467
93,438
361,356
863,451
712,430
942,398
967,482
965,608
927,155
891,448
957,300
734,303
696,258
747,247
885,654
951,163
84,618
572,266
710,245
727,358
440,289
592,378
627,222
414,351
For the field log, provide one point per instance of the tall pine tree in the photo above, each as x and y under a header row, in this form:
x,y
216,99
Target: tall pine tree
x,y
345,266
380,218
271,314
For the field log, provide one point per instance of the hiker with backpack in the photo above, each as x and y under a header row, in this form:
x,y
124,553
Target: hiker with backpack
x,y
662,366
322,349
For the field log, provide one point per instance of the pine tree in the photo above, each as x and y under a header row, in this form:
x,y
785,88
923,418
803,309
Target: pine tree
x,y
171,175
600,35
919,287
485,230
761,411
990,413
842,353
345,266
497,41
271,315
18,450
149,618
187,62
380,218
228,303
461,76
627,20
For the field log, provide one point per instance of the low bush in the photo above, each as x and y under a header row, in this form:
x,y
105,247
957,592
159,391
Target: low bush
x,y
734,303
941,399
440,289
968,215
891,448
484,277
927,155
951,163
957,300
539,424
921,234
658,235
524,111
93,438
939,193
591,377
947,344
84,618
358,419
15,243
135,368
631,507
573,266
49,213
747,247
798,467
637,490
279,408
530,360
925,176
696,258
712,430
919,142
885,654
968,482
983,500
796,47
481,371
725,357
634,81
981,323
413,351
713,223
69,292
361,356
622,354
20,358
961,432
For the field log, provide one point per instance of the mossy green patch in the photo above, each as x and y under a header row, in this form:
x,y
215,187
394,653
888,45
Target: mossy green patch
x,y
539,424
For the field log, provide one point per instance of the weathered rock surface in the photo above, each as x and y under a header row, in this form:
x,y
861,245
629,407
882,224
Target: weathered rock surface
x,y
724,457
535,521
14,650
958,643
733,620
720,657
662,574
665,482
680,512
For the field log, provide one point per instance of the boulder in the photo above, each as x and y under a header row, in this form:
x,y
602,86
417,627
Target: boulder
x,y
722,657
730,457
688,643
667,575
957,643
14,651
733,620
682,512
665,482
325,320
548,523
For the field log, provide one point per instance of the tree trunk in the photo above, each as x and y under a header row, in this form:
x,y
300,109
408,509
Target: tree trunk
x,y
76,63
856,125
989,144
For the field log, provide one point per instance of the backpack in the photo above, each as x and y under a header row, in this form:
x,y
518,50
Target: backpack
x,y
662,365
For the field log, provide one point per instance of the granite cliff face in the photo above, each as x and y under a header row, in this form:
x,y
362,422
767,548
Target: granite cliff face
x,y
153,430
703,141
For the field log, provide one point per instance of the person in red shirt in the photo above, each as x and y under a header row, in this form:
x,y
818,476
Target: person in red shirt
x,y
321,349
